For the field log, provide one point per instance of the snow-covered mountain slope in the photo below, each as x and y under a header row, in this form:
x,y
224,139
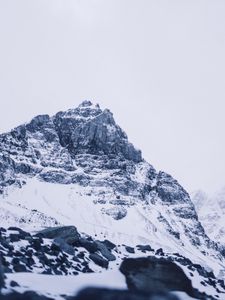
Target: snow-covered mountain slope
x,y
211,211
78,168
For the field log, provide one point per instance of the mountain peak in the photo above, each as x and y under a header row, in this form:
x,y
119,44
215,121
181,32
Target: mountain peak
x,y
85,110
88,103
57,140
91,130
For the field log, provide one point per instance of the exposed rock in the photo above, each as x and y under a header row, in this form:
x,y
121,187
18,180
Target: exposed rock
x,y
93,131
105,251
13,284
2,281
170,191
107,294
98,260
90,246
56,177
130,249
155,275
159,252
63,246
116,213
109,244
24,296
68,233
19,268
145,248
21,233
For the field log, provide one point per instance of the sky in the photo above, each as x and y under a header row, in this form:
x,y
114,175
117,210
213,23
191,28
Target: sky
x,y
158,65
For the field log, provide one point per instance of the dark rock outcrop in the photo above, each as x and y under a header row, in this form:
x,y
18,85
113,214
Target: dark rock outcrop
x,y
56,251
63,246
151,275
67,233
99,260
93,131
107,294
30,295
2,281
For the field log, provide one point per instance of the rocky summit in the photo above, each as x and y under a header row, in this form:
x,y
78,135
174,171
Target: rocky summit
x,y
77,197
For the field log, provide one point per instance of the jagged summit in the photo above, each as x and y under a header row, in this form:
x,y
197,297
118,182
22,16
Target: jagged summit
x,y
84,111
87,103
88,129
56,141
85,129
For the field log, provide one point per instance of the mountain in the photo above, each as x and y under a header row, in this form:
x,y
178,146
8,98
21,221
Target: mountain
x,y
78,168
211,211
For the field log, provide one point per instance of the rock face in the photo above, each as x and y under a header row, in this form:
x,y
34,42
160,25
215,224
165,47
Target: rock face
x,y
153,275
93,131
55,142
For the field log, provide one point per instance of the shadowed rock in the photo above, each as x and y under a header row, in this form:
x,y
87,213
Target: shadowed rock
x,y
155,275
25,296
63,246
2,281
93,131
107,294
67,233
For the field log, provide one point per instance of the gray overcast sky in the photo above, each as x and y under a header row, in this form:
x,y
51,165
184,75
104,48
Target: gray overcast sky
x,y
159,65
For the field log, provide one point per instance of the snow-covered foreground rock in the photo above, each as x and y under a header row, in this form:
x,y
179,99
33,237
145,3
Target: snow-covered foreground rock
x,y
78,168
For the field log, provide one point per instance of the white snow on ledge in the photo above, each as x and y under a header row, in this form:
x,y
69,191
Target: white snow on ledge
x,y
57,285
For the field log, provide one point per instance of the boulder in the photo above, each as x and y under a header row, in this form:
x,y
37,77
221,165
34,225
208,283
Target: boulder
x,y
63,246
117,213
29,295
109,244
130,249
98,260
105,251
145,248
153,275
90,246
110,294
21,232
68,233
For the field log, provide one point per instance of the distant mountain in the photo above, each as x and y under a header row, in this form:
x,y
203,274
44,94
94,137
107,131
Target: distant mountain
x,y
211,211
78,168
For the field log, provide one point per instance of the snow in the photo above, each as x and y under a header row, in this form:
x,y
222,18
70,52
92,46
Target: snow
x,y
211,211
74,205
54,286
